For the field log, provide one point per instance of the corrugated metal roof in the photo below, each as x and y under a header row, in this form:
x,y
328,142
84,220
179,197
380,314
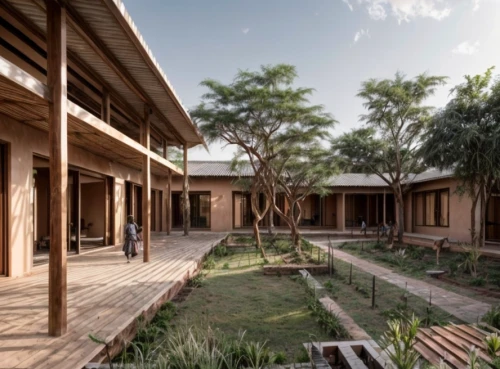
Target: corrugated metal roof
x,y
223,169
431,175
216,169
357,180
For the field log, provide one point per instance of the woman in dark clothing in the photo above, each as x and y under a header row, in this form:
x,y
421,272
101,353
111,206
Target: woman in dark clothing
x,y
130,247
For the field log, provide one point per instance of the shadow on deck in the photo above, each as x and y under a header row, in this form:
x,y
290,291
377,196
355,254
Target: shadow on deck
x,y
105,296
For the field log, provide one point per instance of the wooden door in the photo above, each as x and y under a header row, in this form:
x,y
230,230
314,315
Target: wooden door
x,y
3,210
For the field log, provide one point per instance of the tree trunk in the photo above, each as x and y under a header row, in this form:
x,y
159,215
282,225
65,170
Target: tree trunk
x,y
256,233
294,226
482,221
257,216
271,213
473,236
295,236
401,222
398,195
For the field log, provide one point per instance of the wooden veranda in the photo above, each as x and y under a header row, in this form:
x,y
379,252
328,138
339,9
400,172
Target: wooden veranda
x,y
80,78
105,296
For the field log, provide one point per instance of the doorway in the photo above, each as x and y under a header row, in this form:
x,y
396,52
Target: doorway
x,y
493,218
3,211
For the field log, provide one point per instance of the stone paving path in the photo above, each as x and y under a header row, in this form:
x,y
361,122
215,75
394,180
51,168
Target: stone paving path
x,y
462,307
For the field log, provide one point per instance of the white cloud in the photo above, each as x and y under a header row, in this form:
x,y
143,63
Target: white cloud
x,y
348,4
476,4
466,48
245,30
361,33
405,10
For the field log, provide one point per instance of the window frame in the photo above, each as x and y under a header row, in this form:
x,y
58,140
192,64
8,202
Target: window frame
x,y
437,206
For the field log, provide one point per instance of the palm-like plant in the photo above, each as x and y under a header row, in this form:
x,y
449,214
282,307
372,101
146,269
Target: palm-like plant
x,y
399,340
492,343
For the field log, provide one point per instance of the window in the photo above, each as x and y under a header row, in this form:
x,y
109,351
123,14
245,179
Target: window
x,y
431,208
199,204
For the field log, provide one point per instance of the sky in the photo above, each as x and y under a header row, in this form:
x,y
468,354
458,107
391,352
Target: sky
x,y
334,44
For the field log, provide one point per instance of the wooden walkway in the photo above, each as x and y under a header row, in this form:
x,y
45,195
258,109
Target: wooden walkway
x,y
105,295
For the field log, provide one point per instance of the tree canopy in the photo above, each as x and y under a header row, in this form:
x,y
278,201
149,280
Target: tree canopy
x,y
271,121
388,143
465,137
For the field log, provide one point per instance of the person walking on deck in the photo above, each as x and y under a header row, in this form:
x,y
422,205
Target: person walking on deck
x,y
131,245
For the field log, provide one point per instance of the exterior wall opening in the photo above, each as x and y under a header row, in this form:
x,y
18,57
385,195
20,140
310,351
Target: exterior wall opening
x,y
493,218
368,208
200,204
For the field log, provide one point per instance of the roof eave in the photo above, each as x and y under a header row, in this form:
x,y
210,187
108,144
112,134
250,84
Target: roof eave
x,y
117,9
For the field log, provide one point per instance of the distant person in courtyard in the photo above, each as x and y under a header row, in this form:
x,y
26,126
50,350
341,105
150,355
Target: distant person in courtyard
x,y
390,236
363,227
131,245
383,229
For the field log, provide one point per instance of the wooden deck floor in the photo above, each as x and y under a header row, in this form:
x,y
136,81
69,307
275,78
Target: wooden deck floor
x,y
105,295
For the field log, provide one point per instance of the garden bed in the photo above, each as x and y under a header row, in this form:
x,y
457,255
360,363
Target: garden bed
x,y
232,295
415,261
390,301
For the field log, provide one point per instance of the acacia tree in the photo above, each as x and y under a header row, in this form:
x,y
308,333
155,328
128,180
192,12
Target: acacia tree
x,y
255,186
465,137
263,114
388,145
303,169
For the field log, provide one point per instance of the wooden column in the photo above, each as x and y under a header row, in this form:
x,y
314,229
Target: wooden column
x,y
112,209
78,210
185,195
169,203
146,186
383,209
343,213
58,163
105,240
106,107
367,210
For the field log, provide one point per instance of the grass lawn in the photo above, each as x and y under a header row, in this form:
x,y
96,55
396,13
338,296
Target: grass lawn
x,y
419,259
355,299
235,295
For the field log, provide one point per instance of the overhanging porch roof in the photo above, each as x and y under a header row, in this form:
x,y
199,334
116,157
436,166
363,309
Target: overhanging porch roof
x,y
25,99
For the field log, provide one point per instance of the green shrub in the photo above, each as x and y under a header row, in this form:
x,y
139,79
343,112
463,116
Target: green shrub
x,y
379,245
477,282
492,317
306,245
283,246
279,358
256,355
209,262
196,281
164,315
225,266
302,356
399,258
415,252
328,285
220,250
496,363
452,268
